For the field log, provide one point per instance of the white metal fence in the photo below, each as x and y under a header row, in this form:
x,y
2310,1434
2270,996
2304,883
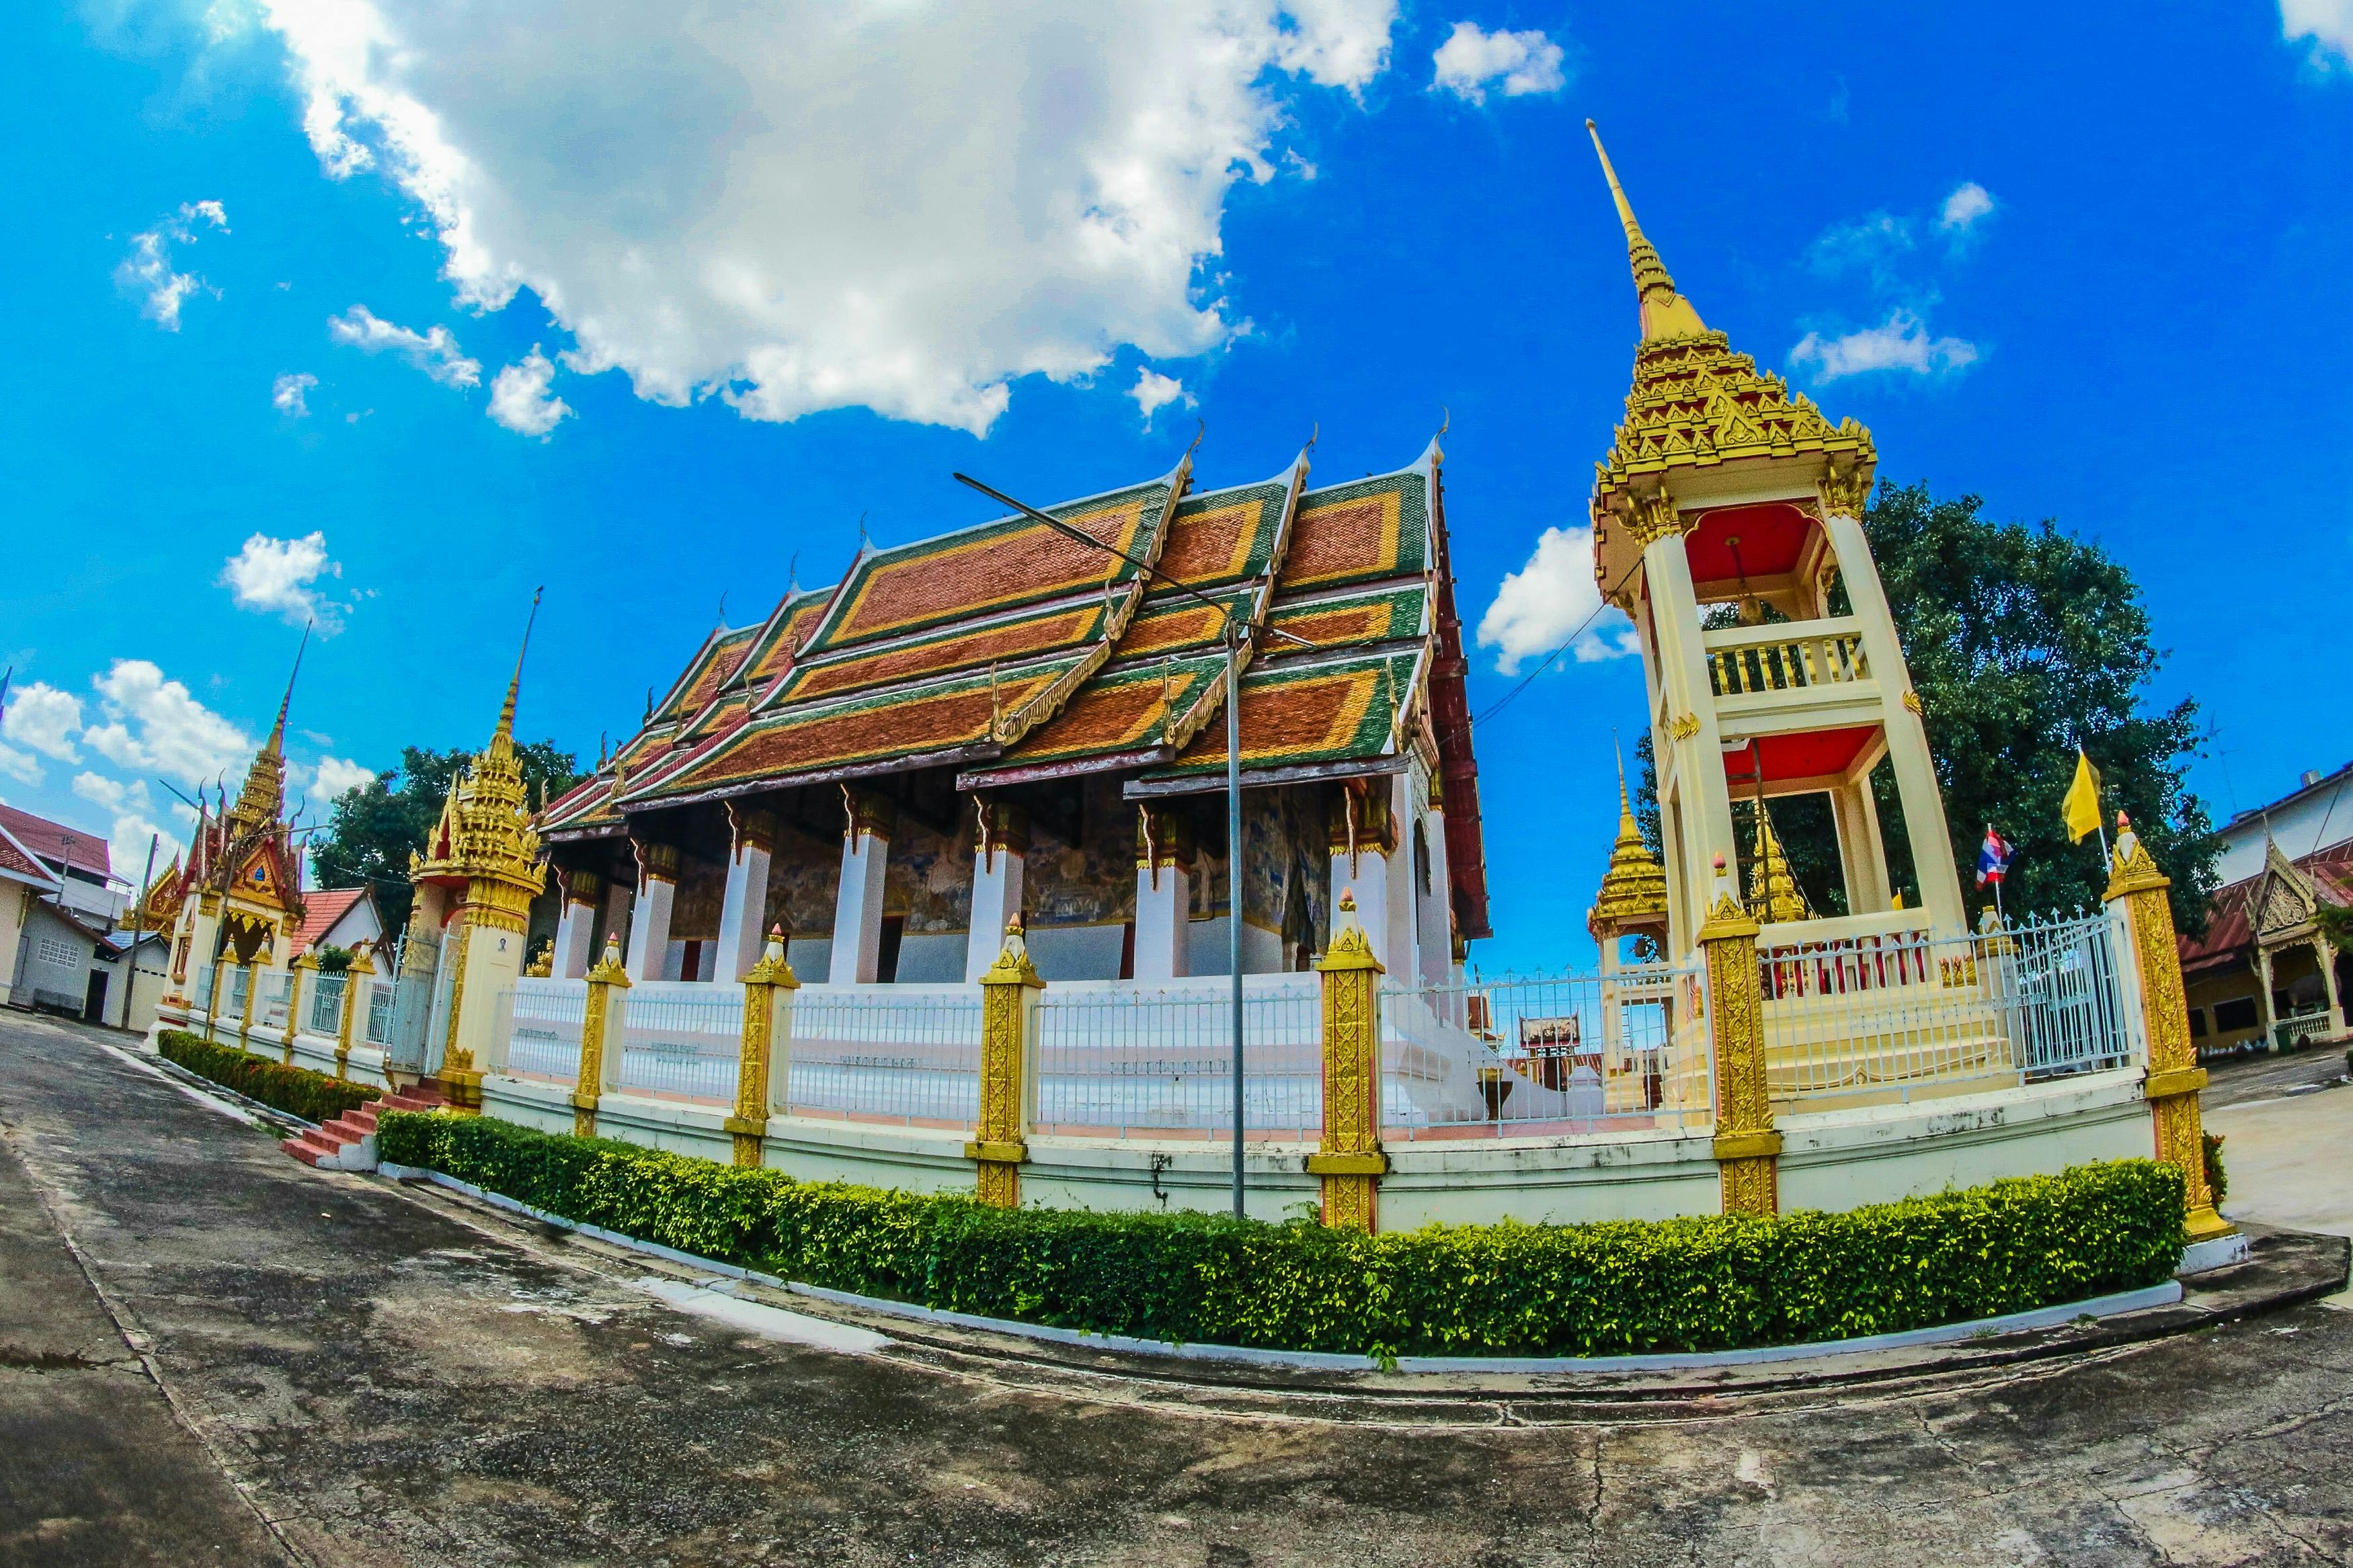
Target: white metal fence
x,y
677,1037
906,1054
270,1005
326,1015
1524,1056
1920,1015
1126,1061
380,995
538,1027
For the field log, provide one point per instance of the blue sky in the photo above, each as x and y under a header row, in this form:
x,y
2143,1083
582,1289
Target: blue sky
x,y
788,268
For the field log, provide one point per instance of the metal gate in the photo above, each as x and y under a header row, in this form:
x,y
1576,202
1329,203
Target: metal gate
x,y
414,989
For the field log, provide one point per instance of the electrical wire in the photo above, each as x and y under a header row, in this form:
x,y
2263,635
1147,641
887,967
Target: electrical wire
x,y
1582,627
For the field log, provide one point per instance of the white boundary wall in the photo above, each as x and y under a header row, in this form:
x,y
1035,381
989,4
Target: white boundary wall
x,y
1831,1160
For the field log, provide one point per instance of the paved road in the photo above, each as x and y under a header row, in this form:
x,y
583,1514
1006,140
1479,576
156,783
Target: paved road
x,y
337,1373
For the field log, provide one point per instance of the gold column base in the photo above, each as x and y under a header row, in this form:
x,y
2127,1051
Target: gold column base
x,y
461,1090
342,1063
1751,1185
998,1184
750,1138
584,1116
2206,1223
1352,1202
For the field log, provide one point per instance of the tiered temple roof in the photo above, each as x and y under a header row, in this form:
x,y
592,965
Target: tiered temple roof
x,y
1012,653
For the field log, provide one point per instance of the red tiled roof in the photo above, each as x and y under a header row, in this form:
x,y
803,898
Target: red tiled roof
x,y
56,841
322,907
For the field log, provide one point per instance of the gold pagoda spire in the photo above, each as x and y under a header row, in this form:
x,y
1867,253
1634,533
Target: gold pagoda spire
x,y
1665,312
264,795
502,738
1634,889
1773,894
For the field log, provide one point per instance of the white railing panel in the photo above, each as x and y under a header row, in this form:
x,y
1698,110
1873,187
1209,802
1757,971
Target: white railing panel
x,y
904,1053
326,1005
1529,1056
1896,1016
539,1024
379,1003
1118,1059
678,1037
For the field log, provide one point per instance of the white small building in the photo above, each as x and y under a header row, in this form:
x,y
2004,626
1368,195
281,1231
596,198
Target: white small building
x,y
55,916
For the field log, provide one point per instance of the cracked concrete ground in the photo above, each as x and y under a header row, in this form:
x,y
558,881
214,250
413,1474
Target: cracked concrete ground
x,y
210,1353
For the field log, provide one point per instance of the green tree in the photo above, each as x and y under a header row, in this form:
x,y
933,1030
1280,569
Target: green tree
x,y
2022,641
373,829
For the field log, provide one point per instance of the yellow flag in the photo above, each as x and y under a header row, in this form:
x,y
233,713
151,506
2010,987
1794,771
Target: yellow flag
x,y
2081,809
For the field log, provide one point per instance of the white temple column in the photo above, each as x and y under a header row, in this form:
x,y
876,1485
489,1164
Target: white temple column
x,y
620,896
2327,955
1402,954
576,932
1363,836
742,914
1164,893
649,913
999,862
1861,858
857,903
1436,938
1907,740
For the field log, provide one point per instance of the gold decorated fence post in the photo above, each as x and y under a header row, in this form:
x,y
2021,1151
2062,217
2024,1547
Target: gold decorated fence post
x,y
768,990
588,1083
244,1018
1748,1149
1350,1162
1008,1033
306,965
356,980
2174,1076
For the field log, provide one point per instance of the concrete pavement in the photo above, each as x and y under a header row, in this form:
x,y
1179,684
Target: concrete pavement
x,y
391,1382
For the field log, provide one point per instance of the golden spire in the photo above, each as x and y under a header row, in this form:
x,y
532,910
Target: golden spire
x,y
505,732
264,795
1665,313
1773,894
1634,889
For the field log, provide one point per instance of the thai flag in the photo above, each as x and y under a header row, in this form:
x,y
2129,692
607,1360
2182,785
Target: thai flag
x,y
1993,857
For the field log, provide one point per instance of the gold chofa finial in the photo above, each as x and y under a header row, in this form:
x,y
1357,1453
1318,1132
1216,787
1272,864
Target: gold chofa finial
x,y
277,741
1665,313
506,711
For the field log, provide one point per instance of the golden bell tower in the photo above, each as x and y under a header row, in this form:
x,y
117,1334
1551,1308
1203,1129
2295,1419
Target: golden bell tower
x,y
1725,522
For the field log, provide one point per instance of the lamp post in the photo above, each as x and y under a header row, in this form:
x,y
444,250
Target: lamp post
x,y
1233,635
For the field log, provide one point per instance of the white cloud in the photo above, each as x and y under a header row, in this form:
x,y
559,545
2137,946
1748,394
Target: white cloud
x,y
1872,245
148,272
333,775
287,393
112,793
21,766
126,845
1900,343
1152,392
1539,605
1472,61
813,206
279,577
42,717
2327,23
434,350
1968,204
153,722
520,398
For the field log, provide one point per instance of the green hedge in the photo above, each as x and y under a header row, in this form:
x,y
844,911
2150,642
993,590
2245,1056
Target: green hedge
x,y
1624,1287
313,1096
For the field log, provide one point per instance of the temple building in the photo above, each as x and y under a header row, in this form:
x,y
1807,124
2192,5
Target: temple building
x,y
1001,723
1726,524
237,897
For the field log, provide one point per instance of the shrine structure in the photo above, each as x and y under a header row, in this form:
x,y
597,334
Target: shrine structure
x,y
1001,723
1726,490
